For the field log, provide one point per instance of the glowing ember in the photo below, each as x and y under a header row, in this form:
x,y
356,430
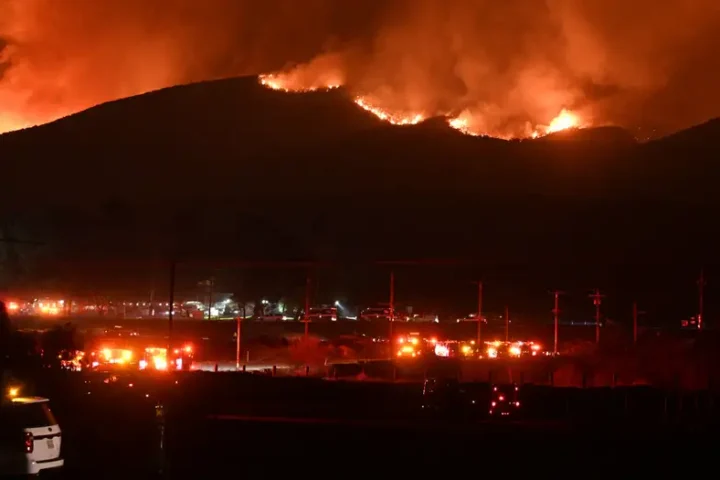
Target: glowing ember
x,y
565,121
290,83
392,118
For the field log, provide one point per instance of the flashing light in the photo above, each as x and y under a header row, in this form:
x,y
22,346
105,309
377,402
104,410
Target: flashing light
x,y
178,363
536,347
13,306
160,363
433,340
127,355
401,340
492,352
501,398
466,349
414,340
13,392
442,350
407,349
107,353
143,364
515,351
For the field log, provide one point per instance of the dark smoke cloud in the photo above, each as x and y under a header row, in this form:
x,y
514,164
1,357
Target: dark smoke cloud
x,y
615,61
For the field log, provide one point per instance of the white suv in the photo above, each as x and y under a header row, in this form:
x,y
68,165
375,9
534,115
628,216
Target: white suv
x,y
30,437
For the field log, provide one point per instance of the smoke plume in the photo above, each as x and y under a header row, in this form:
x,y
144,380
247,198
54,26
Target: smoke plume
x,y
506,65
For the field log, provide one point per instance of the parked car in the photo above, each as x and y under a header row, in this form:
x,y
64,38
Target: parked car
x,y
30,437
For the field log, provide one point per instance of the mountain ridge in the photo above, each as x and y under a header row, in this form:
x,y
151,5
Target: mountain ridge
x,y
201,165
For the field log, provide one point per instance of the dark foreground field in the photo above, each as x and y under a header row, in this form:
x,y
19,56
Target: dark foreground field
x,y
228,424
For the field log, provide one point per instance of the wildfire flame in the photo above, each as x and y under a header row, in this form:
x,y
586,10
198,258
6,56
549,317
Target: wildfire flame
x,y
565,121
286,83
462,125
392,118
468,122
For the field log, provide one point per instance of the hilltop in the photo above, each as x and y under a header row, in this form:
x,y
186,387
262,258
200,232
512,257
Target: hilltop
x,y
213,136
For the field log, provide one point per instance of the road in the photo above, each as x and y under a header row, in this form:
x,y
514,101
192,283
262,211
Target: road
x,y
228,446
221,424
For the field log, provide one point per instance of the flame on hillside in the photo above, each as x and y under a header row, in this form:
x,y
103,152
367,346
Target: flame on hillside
x,y
514,65
565,121
394,118
469,122
284,83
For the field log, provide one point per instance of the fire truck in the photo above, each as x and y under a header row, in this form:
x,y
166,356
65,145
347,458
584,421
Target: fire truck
x,y
157,358
413,346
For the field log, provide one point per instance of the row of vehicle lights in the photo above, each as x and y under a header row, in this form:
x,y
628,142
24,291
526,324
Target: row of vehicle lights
x,y
441,349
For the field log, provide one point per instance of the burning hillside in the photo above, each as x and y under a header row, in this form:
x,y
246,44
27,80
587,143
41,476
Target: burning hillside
x,y
507,69
468,122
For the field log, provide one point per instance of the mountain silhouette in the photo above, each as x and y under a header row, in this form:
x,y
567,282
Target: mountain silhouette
x,y
230,168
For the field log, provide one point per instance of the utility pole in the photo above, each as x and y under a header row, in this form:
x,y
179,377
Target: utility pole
x,y
391,318
171,310
636,314
211,284
307,306
237,342
507,324
556,319
701,302
479,314
597,301
151,310
635,321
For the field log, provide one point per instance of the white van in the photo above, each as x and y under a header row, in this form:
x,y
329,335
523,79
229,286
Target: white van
x,y
30,438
